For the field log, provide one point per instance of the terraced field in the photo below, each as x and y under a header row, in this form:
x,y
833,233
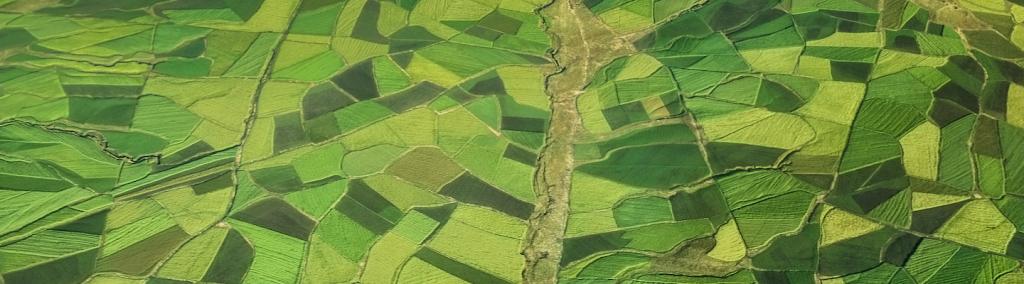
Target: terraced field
x,y
507,141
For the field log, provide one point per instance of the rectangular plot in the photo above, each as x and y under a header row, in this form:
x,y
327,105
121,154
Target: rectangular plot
x,y
363,216
461,270
521,155
419,94
470,189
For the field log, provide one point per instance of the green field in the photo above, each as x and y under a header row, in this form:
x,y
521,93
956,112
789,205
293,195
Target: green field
x,y
511,141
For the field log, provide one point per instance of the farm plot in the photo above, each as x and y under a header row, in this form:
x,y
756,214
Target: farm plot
x,y
508,141
801,141
268,141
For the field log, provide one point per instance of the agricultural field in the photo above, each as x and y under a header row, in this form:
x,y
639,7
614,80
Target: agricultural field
x,y
511,141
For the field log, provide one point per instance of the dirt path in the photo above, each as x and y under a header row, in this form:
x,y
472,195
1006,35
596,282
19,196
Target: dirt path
x,y
582,45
